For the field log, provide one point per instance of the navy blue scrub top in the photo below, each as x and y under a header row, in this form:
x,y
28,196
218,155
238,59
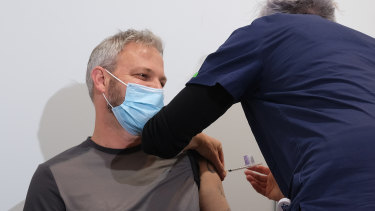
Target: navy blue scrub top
x,y
307,87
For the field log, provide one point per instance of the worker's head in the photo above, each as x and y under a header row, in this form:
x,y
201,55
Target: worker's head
x,y
323,8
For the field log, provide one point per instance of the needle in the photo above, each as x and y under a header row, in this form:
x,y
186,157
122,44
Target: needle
x,y
230,170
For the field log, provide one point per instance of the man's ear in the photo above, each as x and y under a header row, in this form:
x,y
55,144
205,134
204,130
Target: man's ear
x,y
97,76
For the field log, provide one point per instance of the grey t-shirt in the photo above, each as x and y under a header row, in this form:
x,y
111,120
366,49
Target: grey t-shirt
x,y
91,177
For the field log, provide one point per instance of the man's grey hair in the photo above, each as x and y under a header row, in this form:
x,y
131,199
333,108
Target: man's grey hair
x,y
323,8
105,54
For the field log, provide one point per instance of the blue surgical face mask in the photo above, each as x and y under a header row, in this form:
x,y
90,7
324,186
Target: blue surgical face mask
x,y
140,104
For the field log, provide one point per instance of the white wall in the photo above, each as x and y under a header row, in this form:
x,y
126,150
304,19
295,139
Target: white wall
x,y
44,49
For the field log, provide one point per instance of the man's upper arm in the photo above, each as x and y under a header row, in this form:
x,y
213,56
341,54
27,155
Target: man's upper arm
x,y
43,193
211,192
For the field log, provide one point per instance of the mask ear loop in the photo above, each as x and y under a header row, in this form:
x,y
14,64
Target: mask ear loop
x,y
116,77
139,85
107,100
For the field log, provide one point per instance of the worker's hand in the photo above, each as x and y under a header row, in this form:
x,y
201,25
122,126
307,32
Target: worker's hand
x,y
211,149
264,183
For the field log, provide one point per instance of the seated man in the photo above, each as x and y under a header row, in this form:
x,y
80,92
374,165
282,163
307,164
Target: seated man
x,y
109,171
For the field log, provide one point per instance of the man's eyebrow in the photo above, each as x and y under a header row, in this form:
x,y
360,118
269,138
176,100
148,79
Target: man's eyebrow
x,y
148,70
141,69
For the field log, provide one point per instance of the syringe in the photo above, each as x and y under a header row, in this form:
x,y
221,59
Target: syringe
x,y
249,162
230,170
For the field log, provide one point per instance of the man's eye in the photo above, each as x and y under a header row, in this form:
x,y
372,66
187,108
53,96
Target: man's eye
x,y
142,76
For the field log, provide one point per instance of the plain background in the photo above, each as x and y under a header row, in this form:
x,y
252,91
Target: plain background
x,y
45,46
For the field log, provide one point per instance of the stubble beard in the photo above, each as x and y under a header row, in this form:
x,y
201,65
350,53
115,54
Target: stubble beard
x,y
114,96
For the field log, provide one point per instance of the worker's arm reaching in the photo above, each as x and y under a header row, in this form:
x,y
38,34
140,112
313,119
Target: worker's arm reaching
x,y
191,111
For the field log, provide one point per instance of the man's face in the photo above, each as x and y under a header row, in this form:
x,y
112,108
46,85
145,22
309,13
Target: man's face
x,y
138,64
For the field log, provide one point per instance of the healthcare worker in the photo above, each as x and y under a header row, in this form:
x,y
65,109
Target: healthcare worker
x,y
307,87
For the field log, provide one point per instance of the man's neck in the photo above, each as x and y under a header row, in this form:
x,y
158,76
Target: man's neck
x,y
108,132
114,137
